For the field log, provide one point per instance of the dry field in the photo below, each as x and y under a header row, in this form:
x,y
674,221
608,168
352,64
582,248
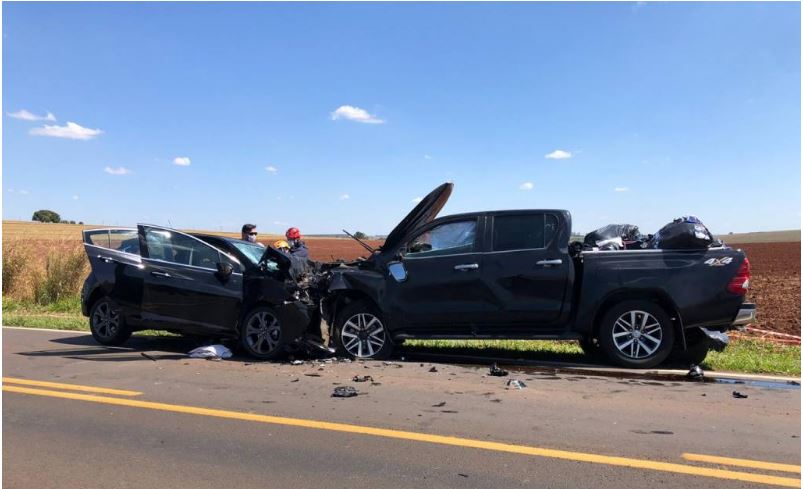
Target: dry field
x,y
775,281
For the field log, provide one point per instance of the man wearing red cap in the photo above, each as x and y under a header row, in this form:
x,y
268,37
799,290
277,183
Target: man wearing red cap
x,y
297,247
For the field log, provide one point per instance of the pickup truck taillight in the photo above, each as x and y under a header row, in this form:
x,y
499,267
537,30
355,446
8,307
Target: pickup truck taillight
x,y
741,281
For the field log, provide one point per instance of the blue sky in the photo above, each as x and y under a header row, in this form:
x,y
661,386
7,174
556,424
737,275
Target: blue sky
x,y
648,111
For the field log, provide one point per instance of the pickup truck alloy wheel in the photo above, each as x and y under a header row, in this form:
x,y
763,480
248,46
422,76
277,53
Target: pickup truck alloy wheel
x,y
636,334
363,335
360,332
107,324
262,333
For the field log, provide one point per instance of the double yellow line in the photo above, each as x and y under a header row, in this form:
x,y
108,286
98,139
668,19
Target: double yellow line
x,y
415,436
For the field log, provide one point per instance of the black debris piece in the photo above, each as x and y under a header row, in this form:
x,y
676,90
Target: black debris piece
x,y
496,400
739,395
495,371
463,475
295,380
376,383
440,404
313,375
793,382
448,411
147,356
345,391
362,378
433,370
695,373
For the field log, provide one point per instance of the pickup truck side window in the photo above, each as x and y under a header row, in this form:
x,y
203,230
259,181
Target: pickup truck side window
x,y
523,231
177,248
447,239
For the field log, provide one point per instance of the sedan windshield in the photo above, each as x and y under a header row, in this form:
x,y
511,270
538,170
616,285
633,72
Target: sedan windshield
x,y
252,251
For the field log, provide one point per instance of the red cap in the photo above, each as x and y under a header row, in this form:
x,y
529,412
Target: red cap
x,y
293,233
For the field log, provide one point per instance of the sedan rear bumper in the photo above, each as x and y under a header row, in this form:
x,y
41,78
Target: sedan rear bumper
x,y
746,315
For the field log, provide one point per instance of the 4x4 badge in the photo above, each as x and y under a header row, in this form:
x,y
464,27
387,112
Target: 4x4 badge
x,y
719,262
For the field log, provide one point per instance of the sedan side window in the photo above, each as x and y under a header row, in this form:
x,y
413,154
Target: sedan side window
x,y
447,239
178,248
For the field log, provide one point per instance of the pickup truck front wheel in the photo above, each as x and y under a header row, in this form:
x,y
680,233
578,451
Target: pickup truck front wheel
x,y
636,334
360,332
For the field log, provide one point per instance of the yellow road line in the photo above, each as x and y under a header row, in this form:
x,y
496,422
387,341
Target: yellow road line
x,y
72,387
740,462
422,437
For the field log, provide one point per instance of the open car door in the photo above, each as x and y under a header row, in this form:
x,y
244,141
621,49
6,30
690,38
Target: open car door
x,y
117,265
183,288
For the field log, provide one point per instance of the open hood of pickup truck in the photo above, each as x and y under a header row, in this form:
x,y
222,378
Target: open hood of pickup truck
x,y
424,212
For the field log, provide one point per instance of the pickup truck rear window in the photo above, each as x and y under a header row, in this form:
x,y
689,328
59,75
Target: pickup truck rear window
x,y
523,231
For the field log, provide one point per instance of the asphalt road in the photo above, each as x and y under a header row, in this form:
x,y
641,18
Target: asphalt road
x,y
171,421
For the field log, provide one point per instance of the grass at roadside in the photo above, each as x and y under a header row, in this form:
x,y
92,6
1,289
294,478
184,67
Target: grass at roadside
x,y
742,355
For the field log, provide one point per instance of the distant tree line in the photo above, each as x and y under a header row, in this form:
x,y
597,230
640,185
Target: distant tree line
x,y
44,215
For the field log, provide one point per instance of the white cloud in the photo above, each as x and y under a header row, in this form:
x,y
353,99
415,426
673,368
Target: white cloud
x,y
23,192
279,223
181,161
272,170
558,154
70,131
74,197
621,189
121,170
344,197
417,200
427,157
27,116
526,186
355,114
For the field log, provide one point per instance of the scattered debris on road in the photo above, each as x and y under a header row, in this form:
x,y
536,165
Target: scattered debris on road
x,y
297,362
495,371
147,356
210,351
362,378
695,373
433,369
345,391
739,395
516,384
440,404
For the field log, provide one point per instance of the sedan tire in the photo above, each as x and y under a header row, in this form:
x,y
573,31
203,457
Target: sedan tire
x,y
261,334
636,334
107,324
361,332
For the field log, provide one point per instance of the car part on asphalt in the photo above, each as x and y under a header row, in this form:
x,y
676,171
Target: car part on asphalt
x,y
495,371
696,373
345,391
362,378
739,395
210,351
516,384
433,370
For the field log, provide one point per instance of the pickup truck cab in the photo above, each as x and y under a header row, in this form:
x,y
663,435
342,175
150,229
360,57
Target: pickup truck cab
x,y
513,275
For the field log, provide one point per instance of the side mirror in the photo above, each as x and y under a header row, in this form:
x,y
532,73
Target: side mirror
x,y
224,271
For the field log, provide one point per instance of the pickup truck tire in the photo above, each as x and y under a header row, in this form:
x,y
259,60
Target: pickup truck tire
x,y
636,334
360,332
261,334
107,324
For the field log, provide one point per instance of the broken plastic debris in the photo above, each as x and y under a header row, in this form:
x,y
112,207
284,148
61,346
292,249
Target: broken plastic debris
x,y
739,395
516,384
147,356
496,371
440,404
345,391
695,373
211,351
362,378
433,369
297,362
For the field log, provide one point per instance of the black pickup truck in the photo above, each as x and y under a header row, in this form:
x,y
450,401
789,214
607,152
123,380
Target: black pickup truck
x,y
502,274
512,274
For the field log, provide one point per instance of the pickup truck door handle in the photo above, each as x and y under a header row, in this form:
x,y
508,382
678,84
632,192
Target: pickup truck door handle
x,y
549,263
160,274
106,259
466,267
